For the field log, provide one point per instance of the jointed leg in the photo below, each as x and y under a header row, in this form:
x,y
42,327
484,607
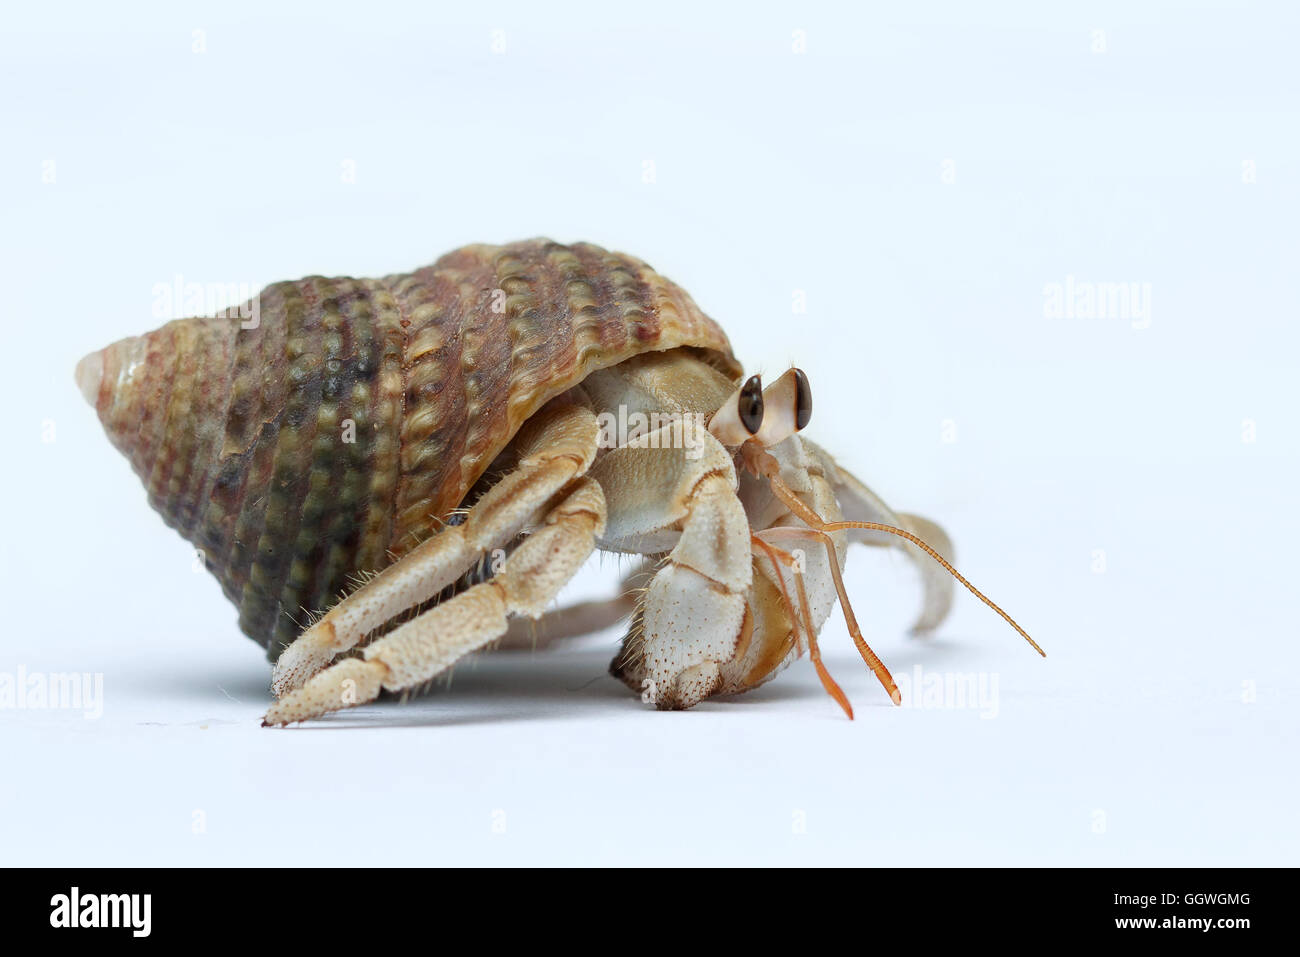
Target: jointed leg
x,y
555,446
575,621
428,644
679,497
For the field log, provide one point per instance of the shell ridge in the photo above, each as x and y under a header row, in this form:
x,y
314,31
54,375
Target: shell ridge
x,y
285,512
404,367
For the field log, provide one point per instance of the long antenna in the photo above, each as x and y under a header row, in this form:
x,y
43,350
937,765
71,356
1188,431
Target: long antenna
x,y
903,533
813,520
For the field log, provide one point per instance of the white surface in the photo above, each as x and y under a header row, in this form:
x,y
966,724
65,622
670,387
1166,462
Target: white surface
x,y
775,172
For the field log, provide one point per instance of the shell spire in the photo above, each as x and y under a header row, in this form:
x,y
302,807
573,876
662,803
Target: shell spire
x,y
341,427
160,399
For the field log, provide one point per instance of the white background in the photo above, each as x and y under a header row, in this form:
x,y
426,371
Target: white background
x,y
922,172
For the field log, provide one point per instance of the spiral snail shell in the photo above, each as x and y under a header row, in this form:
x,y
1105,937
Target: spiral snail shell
x,y
342,428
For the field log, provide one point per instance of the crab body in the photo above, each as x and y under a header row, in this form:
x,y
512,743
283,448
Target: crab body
x,y
376,439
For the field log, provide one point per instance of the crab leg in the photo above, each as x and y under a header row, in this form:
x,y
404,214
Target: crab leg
x,y
430,643
680,497
556,446
575,621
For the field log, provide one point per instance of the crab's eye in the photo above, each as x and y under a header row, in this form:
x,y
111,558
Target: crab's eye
x,y
749,404
741,415
788,406
802,400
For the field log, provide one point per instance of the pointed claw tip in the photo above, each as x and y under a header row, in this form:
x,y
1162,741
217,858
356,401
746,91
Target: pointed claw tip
x,y
897,697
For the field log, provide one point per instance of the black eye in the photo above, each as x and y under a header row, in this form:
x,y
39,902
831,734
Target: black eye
x,y
750,404
802,400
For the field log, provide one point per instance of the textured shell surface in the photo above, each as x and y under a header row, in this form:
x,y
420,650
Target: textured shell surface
x,y
241,435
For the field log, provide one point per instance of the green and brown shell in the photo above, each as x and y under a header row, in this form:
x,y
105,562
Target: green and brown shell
x,y
240,434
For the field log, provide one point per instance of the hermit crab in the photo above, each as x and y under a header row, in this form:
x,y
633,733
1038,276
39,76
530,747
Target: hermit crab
x,y
420,458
